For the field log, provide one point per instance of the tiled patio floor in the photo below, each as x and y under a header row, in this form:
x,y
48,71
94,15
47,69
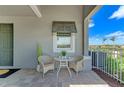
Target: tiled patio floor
x,y
31,78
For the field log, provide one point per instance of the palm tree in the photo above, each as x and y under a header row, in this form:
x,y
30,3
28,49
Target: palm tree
x,y
113,40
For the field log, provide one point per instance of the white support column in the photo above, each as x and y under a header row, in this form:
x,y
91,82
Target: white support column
x,y
88,62
86,23
86,37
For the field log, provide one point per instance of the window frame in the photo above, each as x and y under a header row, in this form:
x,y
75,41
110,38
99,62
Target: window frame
x,y
56,50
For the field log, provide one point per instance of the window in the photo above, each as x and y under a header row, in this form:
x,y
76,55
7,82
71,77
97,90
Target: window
x,y
64,36
63,41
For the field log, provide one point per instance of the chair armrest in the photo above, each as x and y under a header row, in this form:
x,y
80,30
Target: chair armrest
x,y
80,61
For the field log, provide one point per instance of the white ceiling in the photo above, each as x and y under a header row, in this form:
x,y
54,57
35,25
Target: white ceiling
x,y
16,10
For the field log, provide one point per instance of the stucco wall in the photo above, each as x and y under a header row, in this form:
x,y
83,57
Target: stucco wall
x,y
30,30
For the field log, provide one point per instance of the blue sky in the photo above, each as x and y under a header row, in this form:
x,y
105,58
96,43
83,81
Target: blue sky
x,y
106,23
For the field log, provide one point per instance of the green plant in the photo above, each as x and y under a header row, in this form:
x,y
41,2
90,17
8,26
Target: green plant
x,y
63,53
39,51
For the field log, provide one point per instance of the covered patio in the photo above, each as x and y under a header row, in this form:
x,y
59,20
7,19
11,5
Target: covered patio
x,y
34,26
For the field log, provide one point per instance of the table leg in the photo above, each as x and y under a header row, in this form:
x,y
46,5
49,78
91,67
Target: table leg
x,y
58,71
69,71
64,65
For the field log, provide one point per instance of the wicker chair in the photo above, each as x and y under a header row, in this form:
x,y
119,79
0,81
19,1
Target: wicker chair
x,y
46,64
77,64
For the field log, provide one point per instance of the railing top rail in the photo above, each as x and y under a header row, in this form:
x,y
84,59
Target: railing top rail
x,y
107,48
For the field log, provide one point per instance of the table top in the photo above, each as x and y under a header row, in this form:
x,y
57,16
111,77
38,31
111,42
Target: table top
x,y
63,58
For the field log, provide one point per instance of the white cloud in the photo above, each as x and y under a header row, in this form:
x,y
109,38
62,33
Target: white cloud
x,y
91,24
98,40
119,41
117,34
95,40
118,14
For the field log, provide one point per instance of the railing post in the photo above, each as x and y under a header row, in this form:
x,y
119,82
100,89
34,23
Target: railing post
x,y
104,62
97,58
91,57
120,66
111,63
114,63
117,65
102,59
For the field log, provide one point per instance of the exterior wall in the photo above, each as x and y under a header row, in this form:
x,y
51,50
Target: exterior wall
x,y
28,31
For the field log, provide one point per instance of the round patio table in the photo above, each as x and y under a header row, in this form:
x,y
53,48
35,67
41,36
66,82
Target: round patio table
x,y
63,63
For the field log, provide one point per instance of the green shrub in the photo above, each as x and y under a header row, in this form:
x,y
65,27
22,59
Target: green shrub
x,y
63,53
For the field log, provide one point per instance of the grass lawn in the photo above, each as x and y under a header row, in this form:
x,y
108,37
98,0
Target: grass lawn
x,y
114,65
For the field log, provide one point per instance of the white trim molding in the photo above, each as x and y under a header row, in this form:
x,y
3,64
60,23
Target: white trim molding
x,y
93,11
